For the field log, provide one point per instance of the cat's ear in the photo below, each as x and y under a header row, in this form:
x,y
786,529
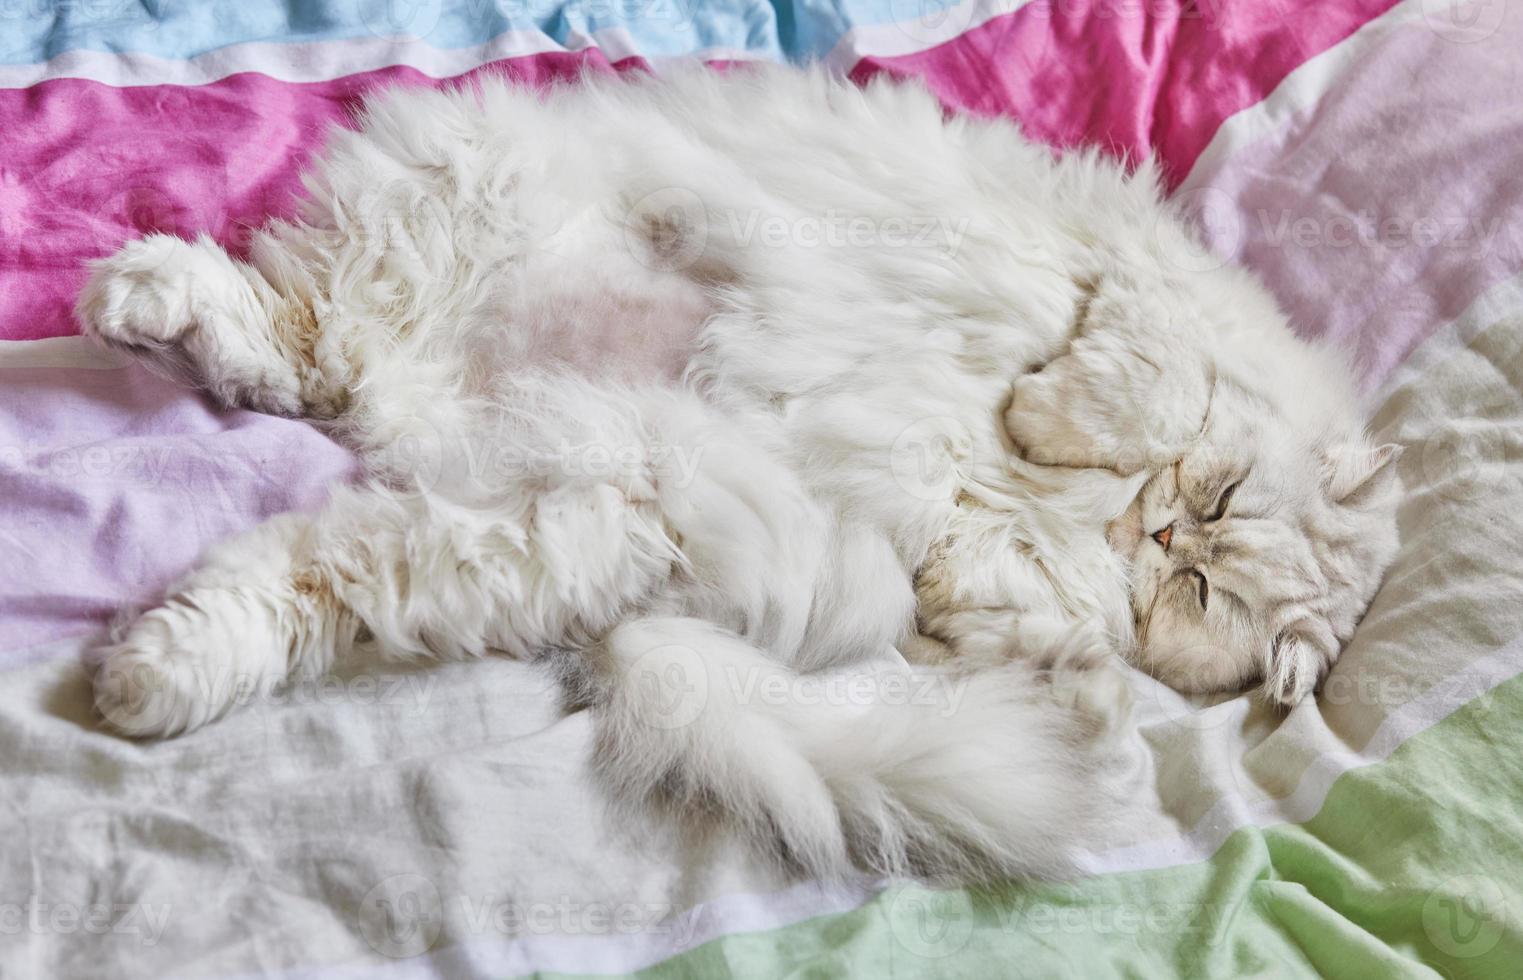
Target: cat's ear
x,y
1299,658
1356,475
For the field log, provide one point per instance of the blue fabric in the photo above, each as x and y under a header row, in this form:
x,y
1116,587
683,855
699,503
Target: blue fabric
x,y
33,31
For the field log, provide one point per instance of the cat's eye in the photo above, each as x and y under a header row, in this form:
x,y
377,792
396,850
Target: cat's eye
x,y
1222,502
1202,588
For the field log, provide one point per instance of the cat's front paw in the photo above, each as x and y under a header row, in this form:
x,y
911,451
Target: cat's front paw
x,y
141,299
1035,423
1298,663
187,311
1056,418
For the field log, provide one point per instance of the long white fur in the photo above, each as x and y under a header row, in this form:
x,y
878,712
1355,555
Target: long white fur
x,y
491,289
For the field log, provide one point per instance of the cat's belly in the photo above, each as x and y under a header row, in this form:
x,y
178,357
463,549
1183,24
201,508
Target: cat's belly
x,y
616,329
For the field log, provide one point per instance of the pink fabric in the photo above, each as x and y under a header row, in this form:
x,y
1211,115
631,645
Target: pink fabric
x,y
1137,77
85,167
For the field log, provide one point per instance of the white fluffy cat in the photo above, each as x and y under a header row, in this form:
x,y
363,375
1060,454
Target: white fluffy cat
x,y
687,378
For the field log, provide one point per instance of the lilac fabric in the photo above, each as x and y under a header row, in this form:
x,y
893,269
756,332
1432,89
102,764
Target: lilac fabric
x,y
112,481
1376,248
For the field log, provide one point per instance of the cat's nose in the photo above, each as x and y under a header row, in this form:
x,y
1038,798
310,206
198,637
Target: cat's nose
x,y
1164,537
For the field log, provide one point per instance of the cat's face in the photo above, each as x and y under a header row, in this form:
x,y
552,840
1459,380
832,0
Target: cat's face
x,y
1254,555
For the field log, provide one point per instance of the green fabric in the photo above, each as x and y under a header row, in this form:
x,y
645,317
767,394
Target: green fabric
x,y
1412,868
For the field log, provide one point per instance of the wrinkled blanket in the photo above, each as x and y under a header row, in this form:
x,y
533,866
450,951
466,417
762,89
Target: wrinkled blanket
x,y
1362,156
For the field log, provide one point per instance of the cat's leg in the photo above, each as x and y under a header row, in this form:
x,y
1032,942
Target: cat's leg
x,y
605,504
198,316
256,611
411,576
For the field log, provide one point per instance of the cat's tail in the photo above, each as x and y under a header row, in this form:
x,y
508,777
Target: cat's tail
x,y
941,776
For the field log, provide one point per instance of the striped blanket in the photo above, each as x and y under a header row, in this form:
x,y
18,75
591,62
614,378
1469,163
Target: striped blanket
x,y
1363,156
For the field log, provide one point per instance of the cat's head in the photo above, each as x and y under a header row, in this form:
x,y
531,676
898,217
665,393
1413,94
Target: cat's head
x,y
1254,556
1255,552
1266,517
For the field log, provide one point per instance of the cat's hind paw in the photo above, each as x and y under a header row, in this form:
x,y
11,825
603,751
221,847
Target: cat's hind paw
x,y
188,662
